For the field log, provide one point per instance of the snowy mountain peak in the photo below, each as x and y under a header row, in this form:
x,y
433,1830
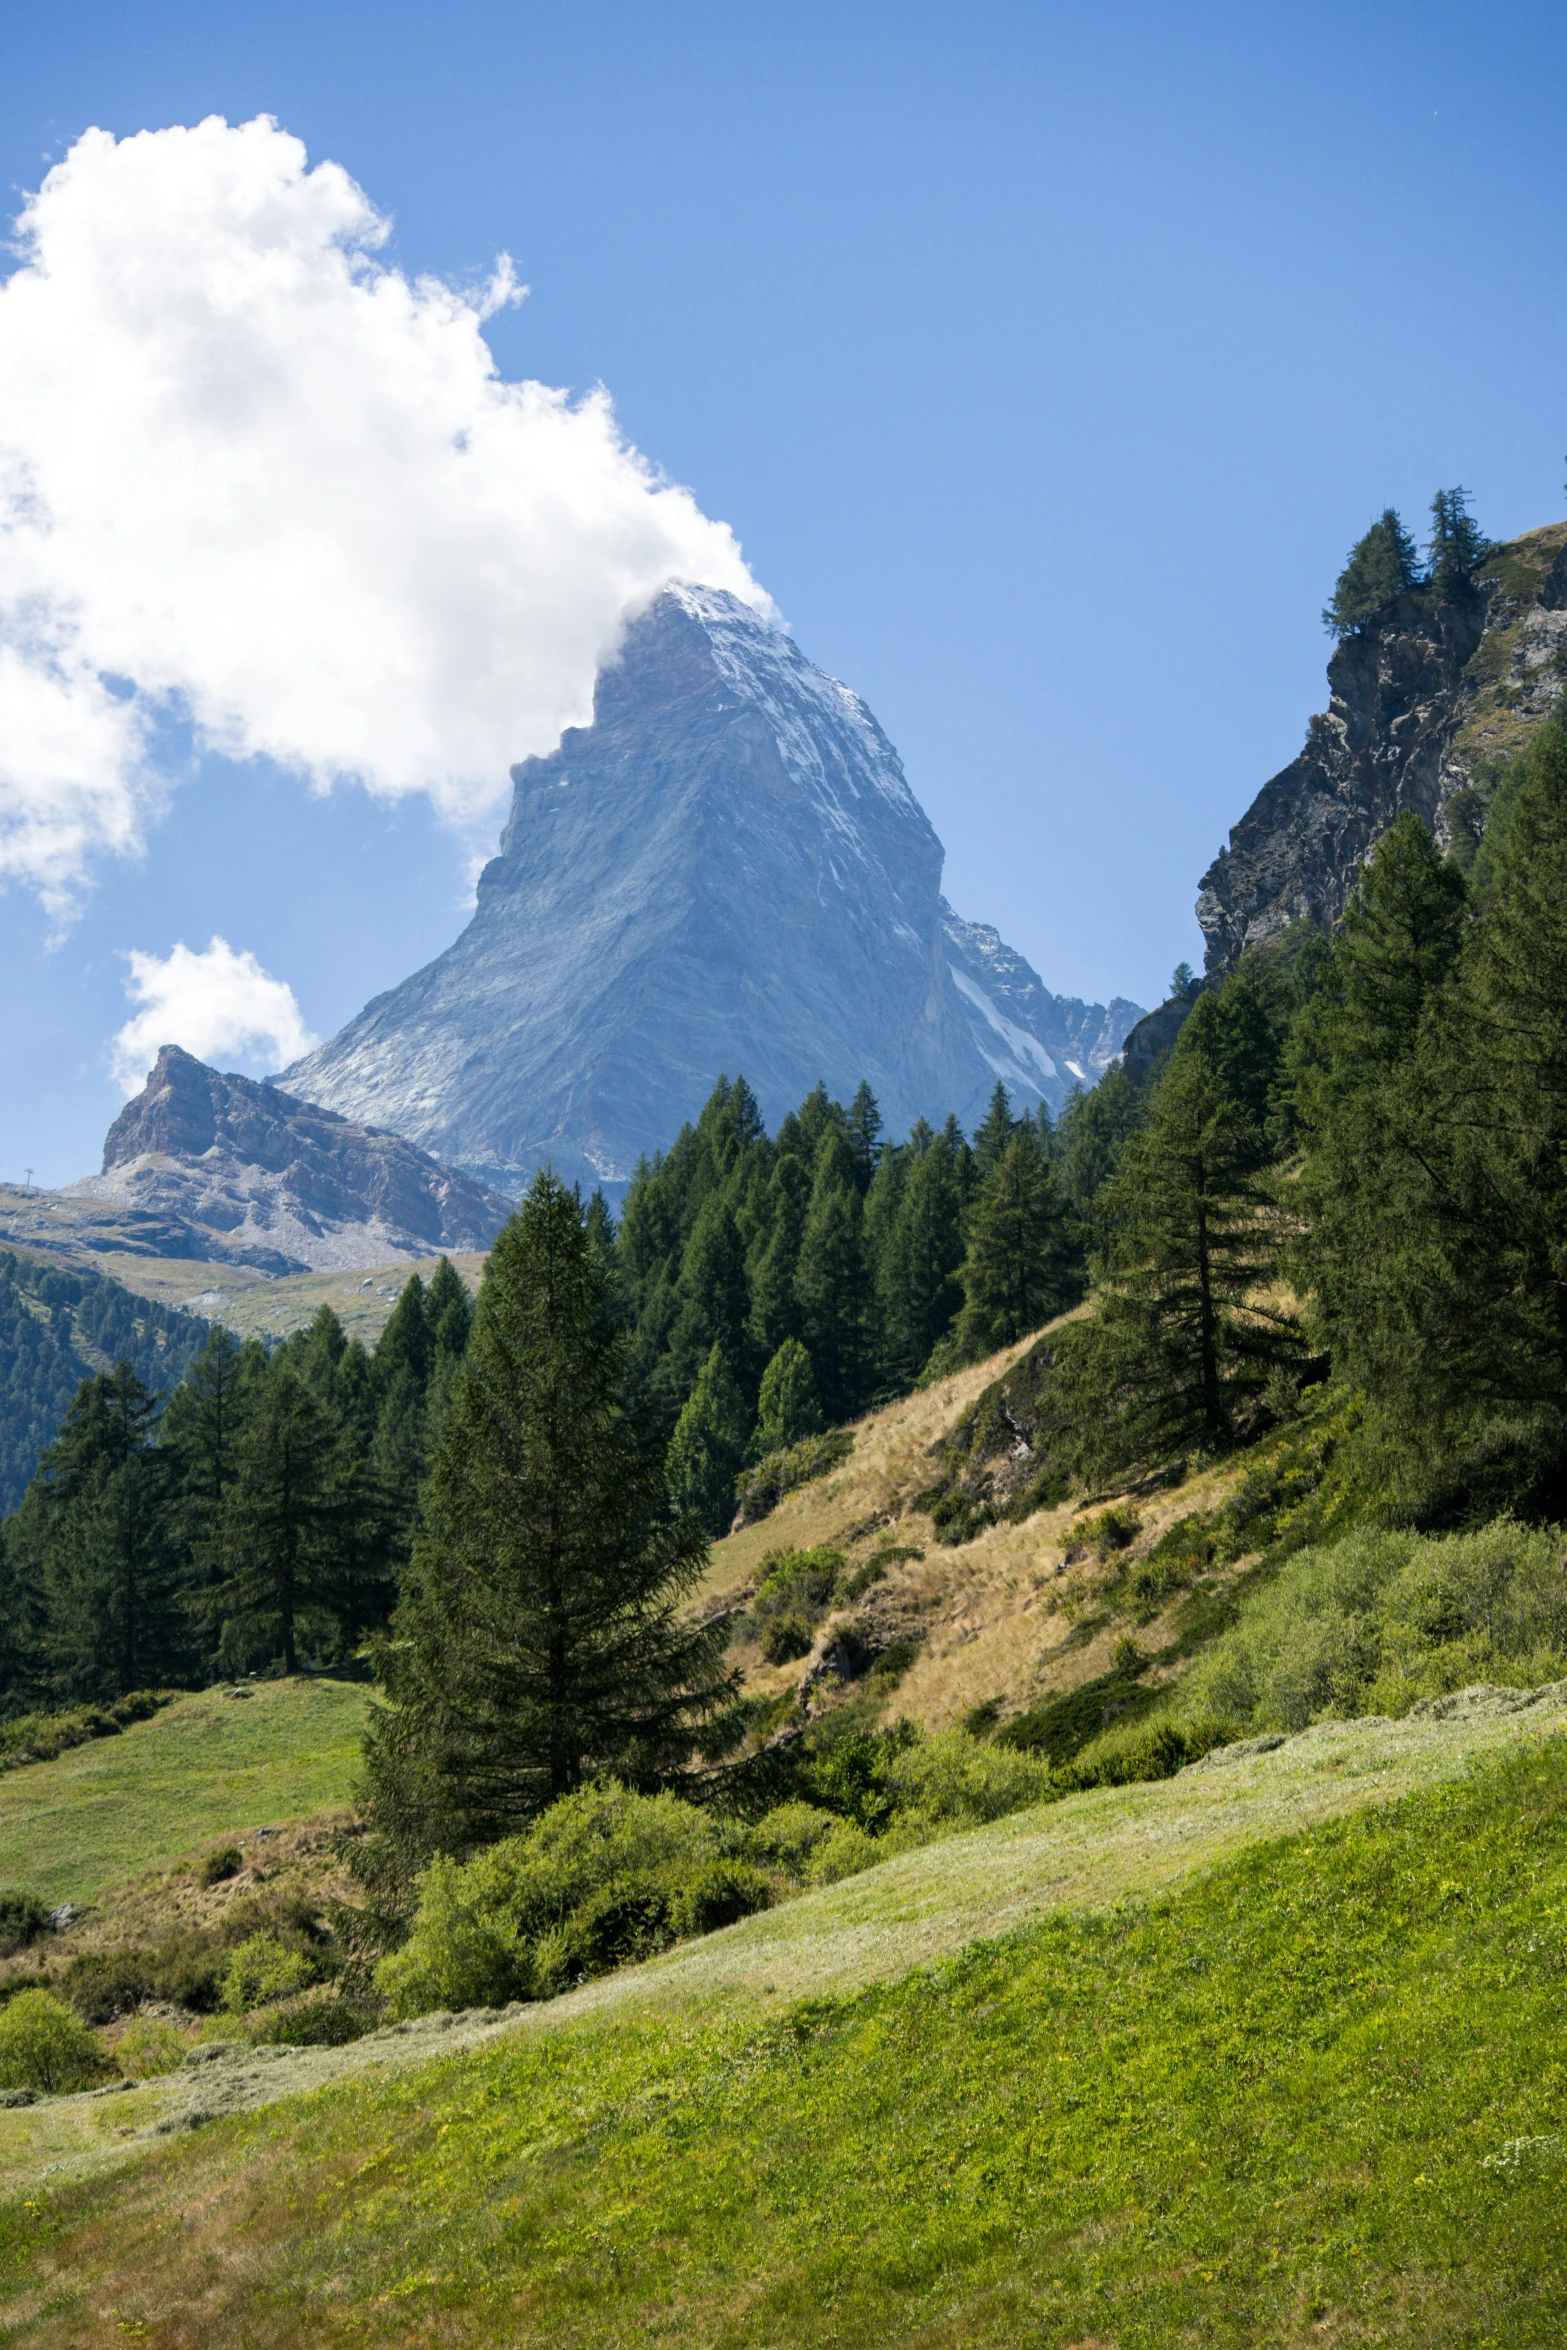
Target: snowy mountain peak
x,y
726,873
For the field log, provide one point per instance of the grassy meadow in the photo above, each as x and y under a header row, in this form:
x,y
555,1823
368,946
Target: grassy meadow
x,y
207,1765
1315,2095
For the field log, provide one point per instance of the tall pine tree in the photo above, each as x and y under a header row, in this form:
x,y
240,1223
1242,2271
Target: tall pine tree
x,y
539,1639
1017,1272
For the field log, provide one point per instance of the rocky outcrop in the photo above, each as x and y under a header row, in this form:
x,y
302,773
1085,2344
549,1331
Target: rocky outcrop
x,y
727,873
1423,702
223,1169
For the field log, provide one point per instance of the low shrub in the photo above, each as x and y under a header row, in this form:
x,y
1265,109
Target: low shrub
x,y
892,1554
103,1984
1157,1752
23,1917
45,2045
1112,1530
951,1781
314,2019
843,1852
148,2047
1060,1728
220,1866
719,1895
264,1968
1378,1619
892,1663
189,1969
784,1638
590,1883
785,1837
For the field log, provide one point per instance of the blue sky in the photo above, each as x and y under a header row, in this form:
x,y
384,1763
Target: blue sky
x,y
1045,362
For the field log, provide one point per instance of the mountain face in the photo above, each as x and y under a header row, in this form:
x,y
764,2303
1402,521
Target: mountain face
x,y
220,1168
1423,700
725,874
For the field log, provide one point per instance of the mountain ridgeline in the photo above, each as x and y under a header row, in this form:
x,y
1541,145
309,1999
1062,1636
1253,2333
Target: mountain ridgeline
x,y
218,1167
1439,679
726,871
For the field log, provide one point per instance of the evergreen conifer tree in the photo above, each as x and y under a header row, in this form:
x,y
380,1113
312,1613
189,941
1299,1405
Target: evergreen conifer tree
x,y
1186,1335
708,1447
775,1309
1436,1186
918,1287
788,1408
293,1545
1093,1130
1380,567
1457,546
993,1134
862,1130
113,1623
1016,1272
832,1282
539,1637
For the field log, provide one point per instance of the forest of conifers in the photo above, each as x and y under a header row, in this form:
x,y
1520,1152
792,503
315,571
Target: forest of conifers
x,y
1352,1166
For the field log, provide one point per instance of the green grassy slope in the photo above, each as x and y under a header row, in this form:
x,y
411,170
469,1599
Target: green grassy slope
x,y
1316,2096
207,1765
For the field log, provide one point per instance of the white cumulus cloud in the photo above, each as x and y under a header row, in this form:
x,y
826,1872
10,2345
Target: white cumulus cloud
x,y
254,476
219,1005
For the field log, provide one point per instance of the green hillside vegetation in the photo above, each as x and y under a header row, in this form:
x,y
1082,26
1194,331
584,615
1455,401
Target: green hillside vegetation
x,y
1311,2094
58,1328
1287,1459
206,1765
263,1512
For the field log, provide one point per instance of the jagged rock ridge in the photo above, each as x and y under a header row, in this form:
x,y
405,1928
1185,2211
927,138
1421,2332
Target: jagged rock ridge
x,y
223,1169
726,873
1423,699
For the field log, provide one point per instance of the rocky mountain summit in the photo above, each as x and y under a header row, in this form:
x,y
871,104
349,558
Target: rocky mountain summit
x,y
223,1169
725,873
1425,700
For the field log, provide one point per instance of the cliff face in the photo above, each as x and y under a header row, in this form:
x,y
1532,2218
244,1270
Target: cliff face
x,y
725,874
1421,702
221,1168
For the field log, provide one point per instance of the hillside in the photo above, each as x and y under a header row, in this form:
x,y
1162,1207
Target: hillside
x,y
212,1764
1293,2094
57,1327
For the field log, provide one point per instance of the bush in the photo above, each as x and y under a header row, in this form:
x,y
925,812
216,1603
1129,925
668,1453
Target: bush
x,y
891,1554
951,1781
23,1917
1063,1726
1111,1531
1379,1619
103,1984
264,1968
45,2045
551,1906
220,1866
29,1738
314,2019
785,1638
147,2047
844,1851
785,1837
189,1970
719,1895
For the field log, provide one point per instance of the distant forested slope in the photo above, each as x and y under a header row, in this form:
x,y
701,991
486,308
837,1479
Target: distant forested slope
x,y
57,1329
